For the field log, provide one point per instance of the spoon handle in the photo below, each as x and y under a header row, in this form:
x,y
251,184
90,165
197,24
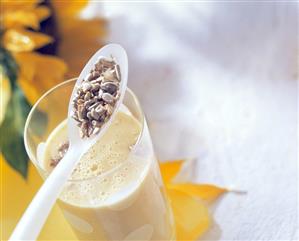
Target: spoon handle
x,y
37,212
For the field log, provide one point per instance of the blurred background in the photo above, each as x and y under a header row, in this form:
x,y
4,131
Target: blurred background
x,y
217,81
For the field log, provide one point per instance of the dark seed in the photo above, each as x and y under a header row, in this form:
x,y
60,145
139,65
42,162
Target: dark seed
x,y
95,74
109,87
54,162
63,148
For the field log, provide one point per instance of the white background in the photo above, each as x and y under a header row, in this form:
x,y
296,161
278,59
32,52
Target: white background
x,y
218,83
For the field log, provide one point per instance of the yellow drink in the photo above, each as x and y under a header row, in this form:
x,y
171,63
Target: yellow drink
x,y
113,193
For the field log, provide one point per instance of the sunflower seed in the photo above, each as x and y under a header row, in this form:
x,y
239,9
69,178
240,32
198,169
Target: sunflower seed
x,y
100,109
97,80
95,114
63,147
95,74
110,87
76,118
109,109
89,115
86,86
88,77
107,62
54,162
80,101
108,75
87,96
87,104
108,98
95,86
98,66
117,72
93,106
96,130
100,94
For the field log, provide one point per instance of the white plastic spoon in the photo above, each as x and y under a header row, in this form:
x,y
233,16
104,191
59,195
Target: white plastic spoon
x,y
37,212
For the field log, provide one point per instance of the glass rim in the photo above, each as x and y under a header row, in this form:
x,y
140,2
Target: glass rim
x,y
32,156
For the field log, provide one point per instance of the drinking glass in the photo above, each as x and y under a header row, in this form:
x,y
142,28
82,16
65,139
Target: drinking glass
x,y
140,211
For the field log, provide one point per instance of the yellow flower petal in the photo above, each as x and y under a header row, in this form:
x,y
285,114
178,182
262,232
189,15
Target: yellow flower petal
x,y
20,18
19,40
42,12
50,70
11,6
26,63
25,18
70,8
38,73
205,192
191,216
31,92
5,93
170,169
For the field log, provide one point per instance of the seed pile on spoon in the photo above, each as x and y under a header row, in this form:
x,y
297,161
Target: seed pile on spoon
x,y
95,98
62,149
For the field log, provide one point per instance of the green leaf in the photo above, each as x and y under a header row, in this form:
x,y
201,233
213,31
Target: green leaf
x,y
9,65
12,129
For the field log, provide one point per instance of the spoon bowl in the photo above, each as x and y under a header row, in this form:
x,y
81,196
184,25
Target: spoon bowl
x,y
120,55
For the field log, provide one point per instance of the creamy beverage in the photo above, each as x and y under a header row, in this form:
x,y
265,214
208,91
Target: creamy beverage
x,y
114,193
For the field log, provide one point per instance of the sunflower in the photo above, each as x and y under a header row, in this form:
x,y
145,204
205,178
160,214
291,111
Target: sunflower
x,y
20,21
26,72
